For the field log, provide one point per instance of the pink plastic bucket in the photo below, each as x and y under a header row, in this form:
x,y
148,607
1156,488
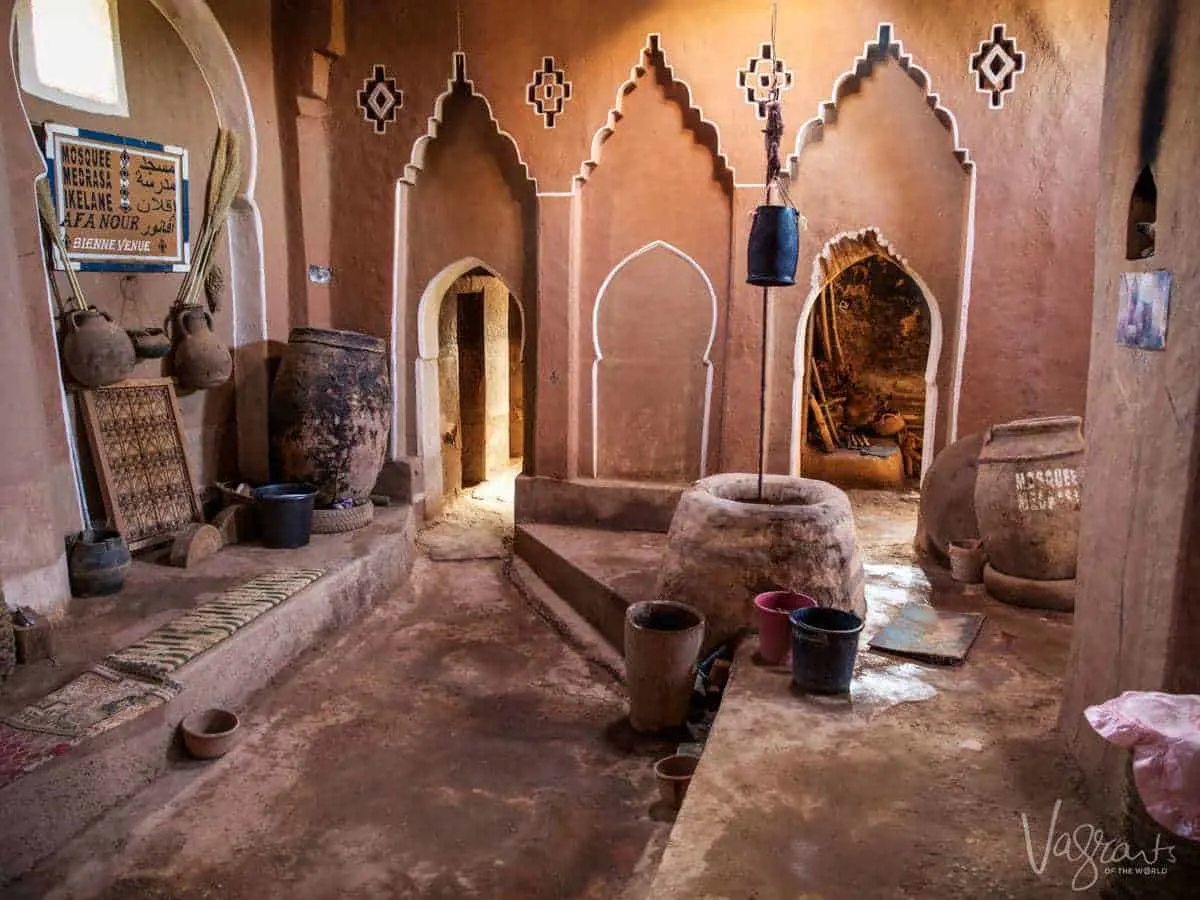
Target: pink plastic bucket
x,y
774,631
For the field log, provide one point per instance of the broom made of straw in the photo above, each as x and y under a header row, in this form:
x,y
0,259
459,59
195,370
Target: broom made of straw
x,y
50,225
223,183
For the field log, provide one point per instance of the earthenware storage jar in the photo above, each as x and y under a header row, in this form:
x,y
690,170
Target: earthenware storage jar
x,y
97,562
200,361
1027,493
330,410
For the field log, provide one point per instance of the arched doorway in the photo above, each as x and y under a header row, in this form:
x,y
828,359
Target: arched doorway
x,y
469,381
868,346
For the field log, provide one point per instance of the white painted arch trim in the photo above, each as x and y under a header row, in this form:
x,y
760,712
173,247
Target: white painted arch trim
x,y
426,390
458,73
651,47
430,305
706,358
399,444
816,284
885,41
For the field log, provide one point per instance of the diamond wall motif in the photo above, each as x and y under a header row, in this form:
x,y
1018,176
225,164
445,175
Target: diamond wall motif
x,y
996,66
761,73
380,99
549,91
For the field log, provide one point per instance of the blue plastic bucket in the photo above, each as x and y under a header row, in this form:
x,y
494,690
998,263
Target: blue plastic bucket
x,y
824,644
285,514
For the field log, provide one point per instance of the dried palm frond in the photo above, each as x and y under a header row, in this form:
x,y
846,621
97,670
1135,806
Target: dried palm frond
x,y
50,224
224,179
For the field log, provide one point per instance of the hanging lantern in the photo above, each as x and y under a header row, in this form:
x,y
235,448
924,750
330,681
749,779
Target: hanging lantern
x,y
774,246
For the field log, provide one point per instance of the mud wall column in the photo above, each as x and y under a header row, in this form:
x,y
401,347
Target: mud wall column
x,y
551,386
38,498
495,374
1137,615
516,383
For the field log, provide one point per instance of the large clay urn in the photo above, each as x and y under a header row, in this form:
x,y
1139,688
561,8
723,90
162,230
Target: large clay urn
x,y
330,410
1027,491
200,360
95,352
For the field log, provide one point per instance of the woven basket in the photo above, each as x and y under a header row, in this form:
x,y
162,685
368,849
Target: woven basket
x,y
336,521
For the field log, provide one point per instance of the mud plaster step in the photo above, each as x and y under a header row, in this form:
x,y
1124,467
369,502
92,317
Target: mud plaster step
x,y
598,572
42,810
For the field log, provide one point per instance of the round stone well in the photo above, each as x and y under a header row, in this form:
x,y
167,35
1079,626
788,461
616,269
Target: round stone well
x,y
725,546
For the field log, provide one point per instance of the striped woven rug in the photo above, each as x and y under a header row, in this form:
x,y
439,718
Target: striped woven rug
x,y
165,650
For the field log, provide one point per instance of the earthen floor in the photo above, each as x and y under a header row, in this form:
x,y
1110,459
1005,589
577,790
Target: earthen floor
x,y
915,786
446,745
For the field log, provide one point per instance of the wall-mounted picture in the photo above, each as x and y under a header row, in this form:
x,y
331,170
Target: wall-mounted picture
x,y
1142,310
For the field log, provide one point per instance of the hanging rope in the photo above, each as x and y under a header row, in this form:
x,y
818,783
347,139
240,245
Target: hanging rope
x,y
774,137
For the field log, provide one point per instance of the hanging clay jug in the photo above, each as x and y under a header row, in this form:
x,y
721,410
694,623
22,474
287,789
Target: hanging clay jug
x,y
200,360
774,247
95,352
149,343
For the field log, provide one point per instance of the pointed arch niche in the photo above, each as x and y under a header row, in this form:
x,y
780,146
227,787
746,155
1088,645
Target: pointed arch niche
x,y
882,158
465,197
652,371
652,245
842,254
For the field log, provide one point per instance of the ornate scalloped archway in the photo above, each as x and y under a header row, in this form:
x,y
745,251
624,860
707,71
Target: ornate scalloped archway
x,y
839,254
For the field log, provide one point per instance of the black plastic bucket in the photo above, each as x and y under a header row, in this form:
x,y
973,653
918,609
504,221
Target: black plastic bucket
x,y
285,514
824,644
774,247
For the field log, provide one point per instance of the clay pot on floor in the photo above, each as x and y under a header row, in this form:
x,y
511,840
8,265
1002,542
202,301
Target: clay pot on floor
x,y
331,407
97,562
771,611
200,361
1027,495
95,352
662,642
967,559
674,775
209,734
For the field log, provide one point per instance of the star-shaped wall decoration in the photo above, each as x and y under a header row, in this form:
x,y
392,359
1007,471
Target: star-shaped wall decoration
x,y
996,66
380,99
762,74
549,91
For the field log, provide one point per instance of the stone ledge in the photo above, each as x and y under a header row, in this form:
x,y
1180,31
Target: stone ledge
x,y
613,505
41,811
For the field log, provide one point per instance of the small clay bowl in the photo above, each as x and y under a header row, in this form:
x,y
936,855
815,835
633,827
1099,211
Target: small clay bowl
x,y
674,774
210,733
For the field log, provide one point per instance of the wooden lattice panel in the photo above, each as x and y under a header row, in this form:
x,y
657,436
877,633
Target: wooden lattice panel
x,y
136,437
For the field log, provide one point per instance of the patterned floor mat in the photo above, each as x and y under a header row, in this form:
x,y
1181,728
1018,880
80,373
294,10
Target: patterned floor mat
x,y
97,701
137,679
165,650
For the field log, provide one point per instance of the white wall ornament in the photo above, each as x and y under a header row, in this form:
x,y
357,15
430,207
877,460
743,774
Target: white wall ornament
x,y
549,91
761,74
380,99
996,66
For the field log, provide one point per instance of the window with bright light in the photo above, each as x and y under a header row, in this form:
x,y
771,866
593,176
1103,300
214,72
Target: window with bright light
x,y
70,53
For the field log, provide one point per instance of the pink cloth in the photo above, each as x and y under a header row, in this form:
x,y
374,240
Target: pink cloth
x,y
1164,732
